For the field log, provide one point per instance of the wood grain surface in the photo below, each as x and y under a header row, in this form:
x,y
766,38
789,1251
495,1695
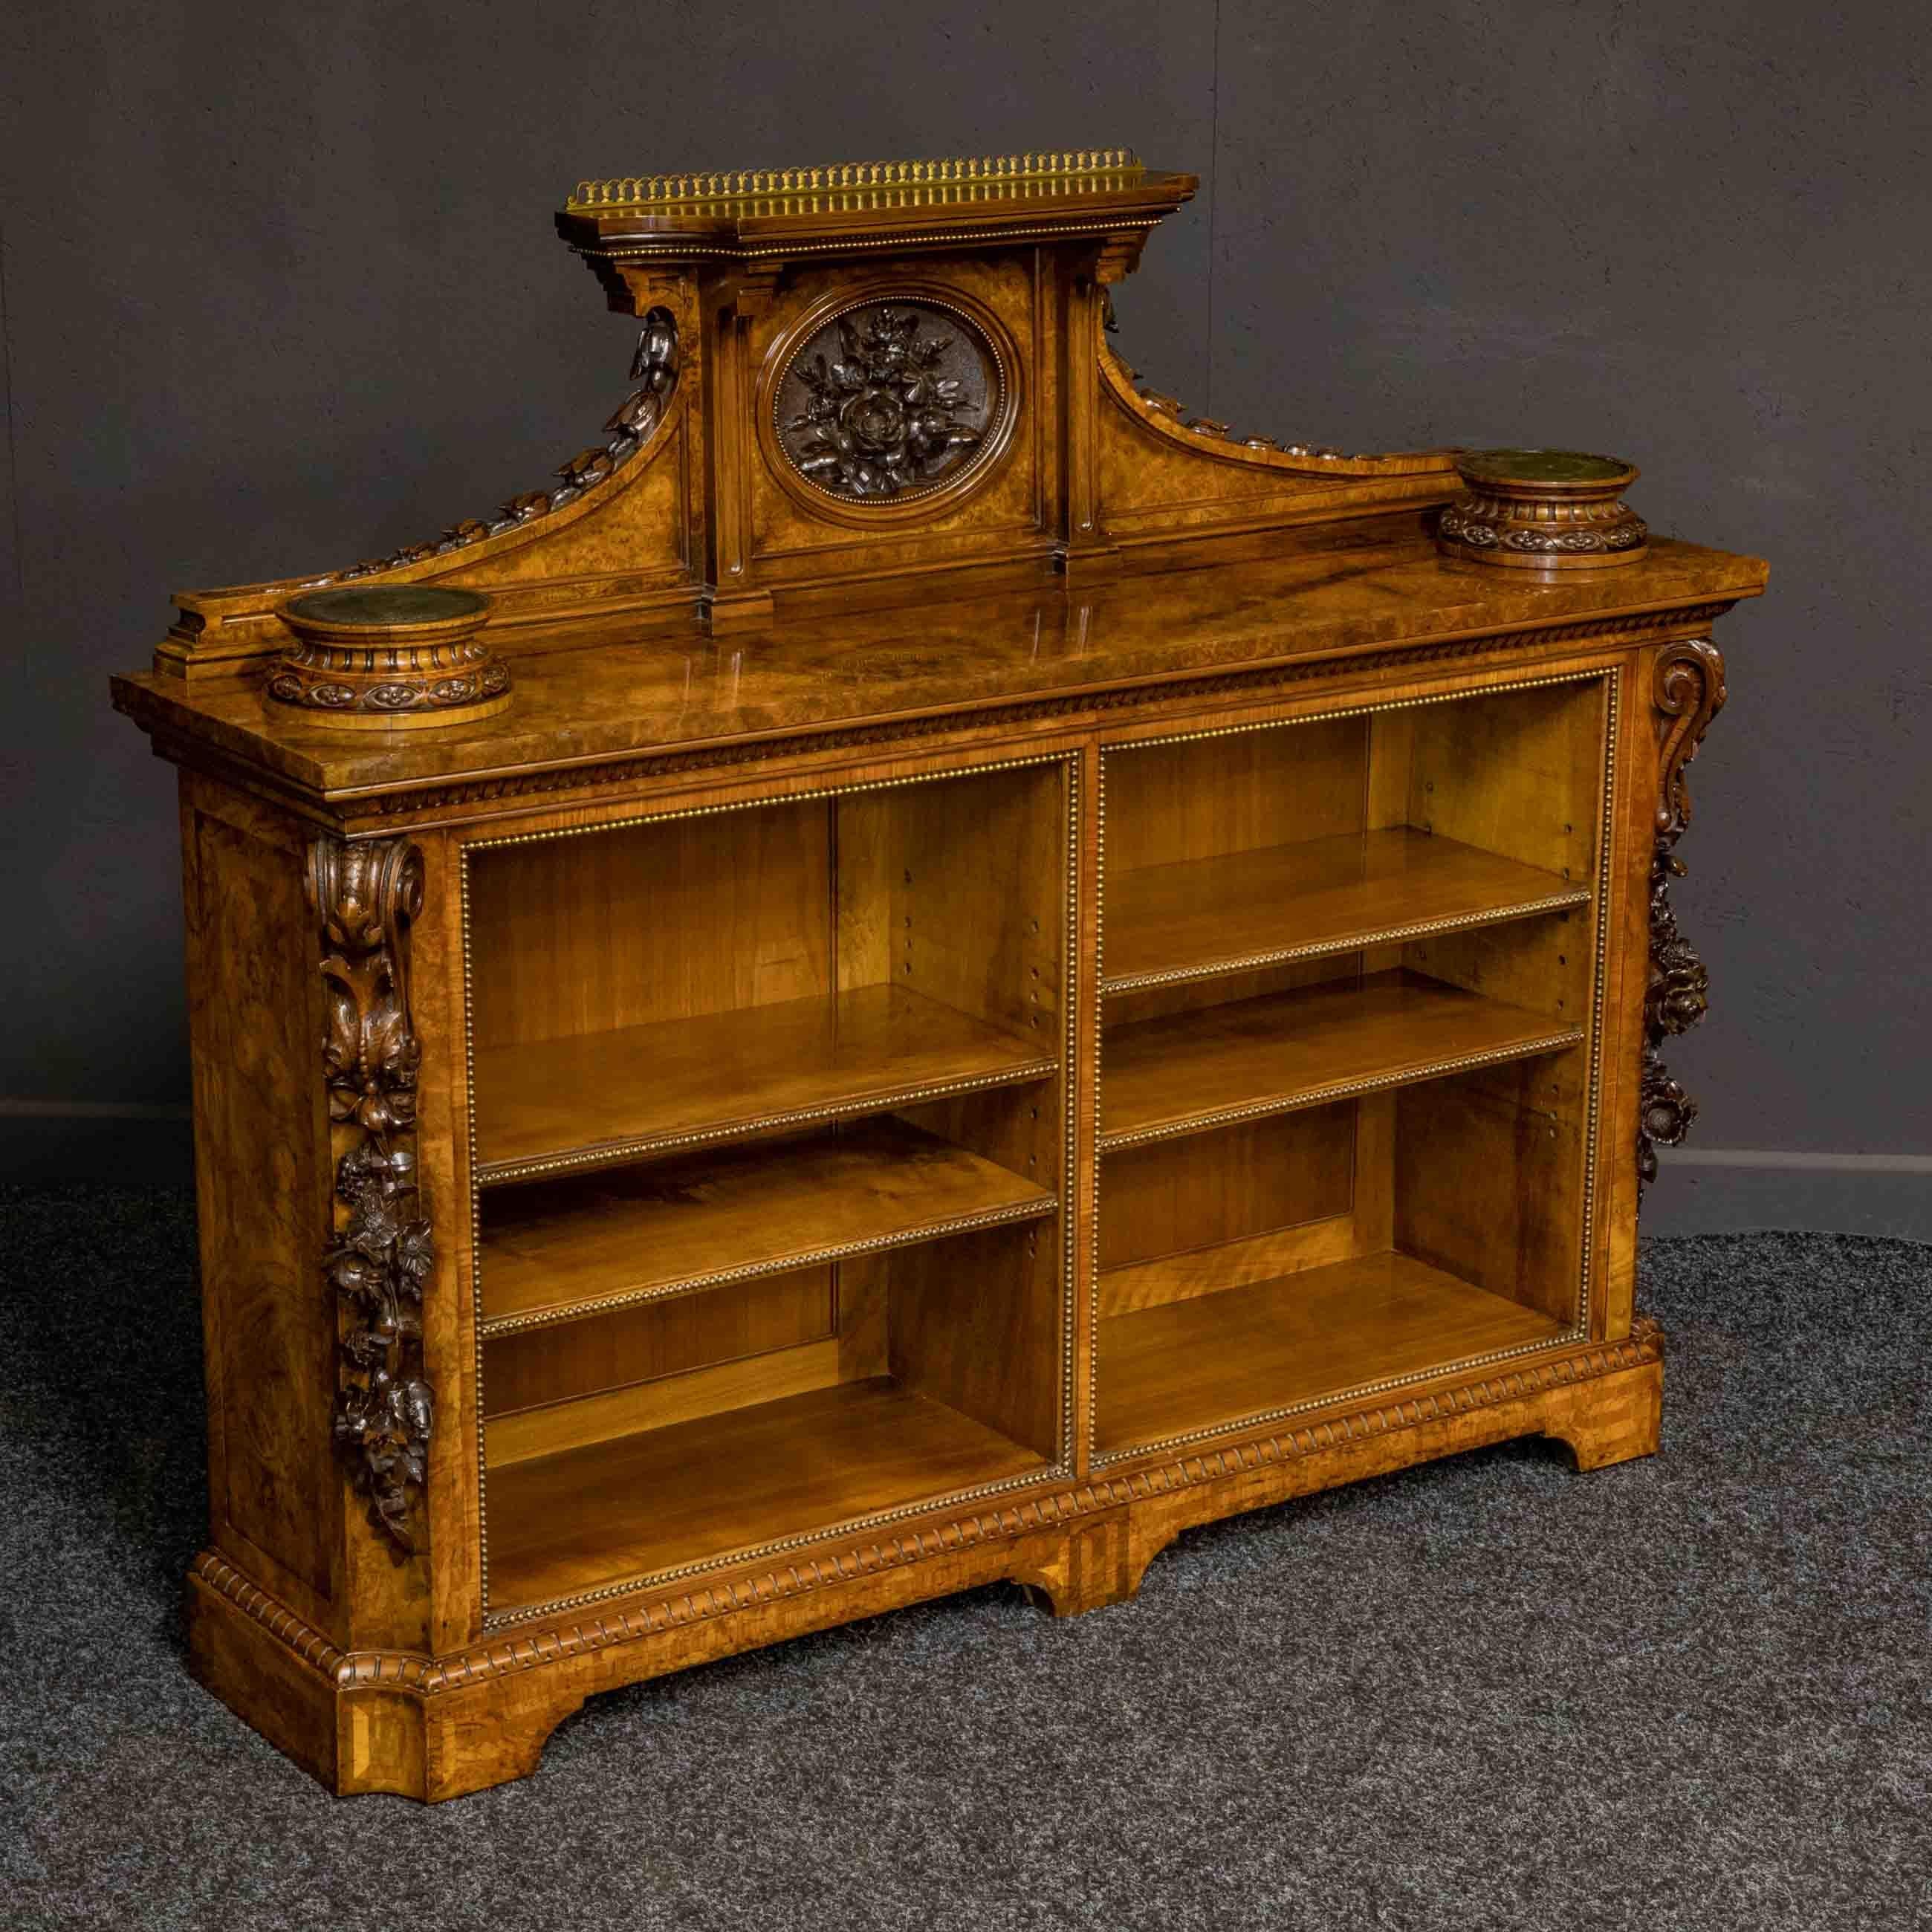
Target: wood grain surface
x,y
553,1250
1289,1050
1326,895
1214,1358
699,1489
603,1095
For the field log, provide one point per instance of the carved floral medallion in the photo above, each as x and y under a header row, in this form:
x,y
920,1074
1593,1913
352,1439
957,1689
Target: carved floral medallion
x,y
889,400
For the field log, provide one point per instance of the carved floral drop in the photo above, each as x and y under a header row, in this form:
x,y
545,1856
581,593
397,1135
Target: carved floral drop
x,y
890,400
378,1263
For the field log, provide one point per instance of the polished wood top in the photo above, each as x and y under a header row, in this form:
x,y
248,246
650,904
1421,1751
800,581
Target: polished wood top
x,y
636,687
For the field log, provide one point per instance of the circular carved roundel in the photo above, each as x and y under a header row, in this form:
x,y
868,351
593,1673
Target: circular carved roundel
x,y
889,400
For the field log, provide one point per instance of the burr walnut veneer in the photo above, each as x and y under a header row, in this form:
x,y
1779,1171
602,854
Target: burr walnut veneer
x,y
1020,971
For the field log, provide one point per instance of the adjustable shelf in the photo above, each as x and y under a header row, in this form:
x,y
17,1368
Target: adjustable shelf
x,y
638,1504
1198,918
553,1251
1214,1359
1183,1073
604,1097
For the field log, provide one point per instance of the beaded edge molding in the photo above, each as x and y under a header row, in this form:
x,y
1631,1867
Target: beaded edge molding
x,y
426,1677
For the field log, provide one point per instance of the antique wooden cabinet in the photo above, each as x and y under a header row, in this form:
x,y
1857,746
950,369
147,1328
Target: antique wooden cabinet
x,y
968,971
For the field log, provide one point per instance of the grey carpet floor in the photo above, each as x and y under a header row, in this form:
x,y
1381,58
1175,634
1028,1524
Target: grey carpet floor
x,y
1690,1692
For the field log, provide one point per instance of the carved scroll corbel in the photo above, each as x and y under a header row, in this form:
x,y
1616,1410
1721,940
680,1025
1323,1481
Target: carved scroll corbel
x,y
1687,689
379,1262
654,367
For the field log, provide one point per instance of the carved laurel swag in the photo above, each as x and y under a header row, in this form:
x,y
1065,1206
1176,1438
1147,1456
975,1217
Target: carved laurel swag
x,y
654,367
378,1263
1688,690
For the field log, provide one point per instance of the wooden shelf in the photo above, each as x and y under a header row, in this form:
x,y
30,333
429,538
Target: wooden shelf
x,y
595,1098
554,1250
592,1517
1249,909
1192,1365
1188,1071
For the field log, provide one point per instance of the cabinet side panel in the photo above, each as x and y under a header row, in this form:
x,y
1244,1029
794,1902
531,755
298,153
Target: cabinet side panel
x,y
261,1172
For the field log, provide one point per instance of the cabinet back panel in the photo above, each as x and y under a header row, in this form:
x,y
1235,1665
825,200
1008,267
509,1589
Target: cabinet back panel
x,y
633,1344
954,889
1205,796
1189,996
1017,1128
1206,1189
659,922
974,1322
1518,772
1544,965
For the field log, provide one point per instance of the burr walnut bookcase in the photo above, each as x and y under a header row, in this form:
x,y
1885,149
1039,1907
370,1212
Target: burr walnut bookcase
x,y
925,969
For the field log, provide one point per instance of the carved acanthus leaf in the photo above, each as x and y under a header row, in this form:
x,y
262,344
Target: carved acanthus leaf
x,y
378,1263
1687,691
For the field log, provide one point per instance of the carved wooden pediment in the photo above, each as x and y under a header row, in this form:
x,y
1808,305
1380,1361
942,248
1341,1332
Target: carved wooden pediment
x,y
871,370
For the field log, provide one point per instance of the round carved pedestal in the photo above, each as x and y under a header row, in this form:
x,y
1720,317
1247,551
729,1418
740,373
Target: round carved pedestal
x,y
1543,510
390,655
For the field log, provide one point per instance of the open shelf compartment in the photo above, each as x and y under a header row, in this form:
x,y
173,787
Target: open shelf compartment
x,y
695,1491
1346,1093
770,1116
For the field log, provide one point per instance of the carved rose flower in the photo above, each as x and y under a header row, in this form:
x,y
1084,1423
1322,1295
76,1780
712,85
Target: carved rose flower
x,y
880,418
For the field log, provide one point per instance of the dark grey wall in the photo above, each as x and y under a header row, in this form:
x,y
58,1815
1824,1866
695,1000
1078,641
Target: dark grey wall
x,y
279,291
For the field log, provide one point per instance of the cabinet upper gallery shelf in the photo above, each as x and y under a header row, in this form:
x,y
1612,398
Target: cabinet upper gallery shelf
x,y
596,1098
1201,917
553,1251
1185,1072
868,204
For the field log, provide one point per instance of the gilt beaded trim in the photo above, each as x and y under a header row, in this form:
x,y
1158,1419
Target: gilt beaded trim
x,y
837,177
